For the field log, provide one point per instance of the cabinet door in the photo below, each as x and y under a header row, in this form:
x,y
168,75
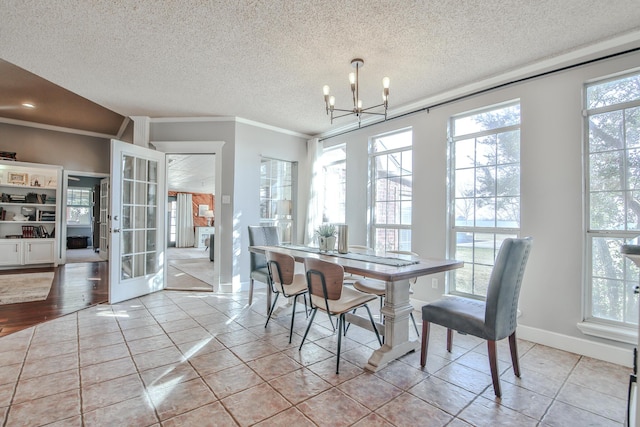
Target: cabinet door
x,y
38,251
11,252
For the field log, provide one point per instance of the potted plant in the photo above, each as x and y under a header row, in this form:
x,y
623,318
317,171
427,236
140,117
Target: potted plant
x,y
326,237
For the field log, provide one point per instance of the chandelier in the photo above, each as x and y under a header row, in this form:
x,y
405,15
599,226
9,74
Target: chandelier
x,y
358,110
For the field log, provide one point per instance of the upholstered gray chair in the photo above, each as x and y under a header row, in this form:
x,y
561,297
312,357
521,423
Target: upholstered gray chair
x,y
284,281
327,293
261,236
493,319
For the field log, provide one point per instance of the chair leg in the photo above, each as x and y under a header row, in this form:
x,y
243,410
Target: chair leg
x,y
340,326
250,291
313,314
513,346
413,319
449,339
425,343
306,310
493,364
270,311
375,328
293,314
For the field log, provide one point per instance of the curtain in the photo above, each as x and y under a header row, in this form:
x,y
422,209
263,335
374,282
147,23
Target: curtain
x,y
316,189
184,221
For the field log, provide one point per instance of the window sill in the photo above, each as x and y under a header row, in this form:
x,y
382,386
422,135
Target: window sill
x,y
625,335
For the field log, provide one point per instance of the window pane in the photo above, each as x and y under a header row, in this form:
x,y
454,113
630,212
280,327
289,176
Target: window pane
x,y
605,132
494,119
613,92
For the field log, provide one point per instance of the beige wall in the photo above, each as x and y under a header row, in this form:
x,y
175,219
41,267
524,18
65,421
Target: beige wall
x,y
73,152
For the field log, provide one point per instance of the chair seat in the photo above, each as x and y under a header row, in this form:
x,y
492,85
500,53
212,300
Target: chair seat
x,y
298,286
371,286
460,314
349,299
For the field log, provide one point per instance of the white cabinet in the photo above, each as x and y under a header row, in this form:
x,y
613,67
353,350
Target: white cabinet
x,y
201,234
30,198
16,252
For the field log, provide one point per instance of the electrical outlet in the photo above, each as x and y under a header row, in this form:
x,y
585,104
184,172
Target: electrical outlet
x,y
434,283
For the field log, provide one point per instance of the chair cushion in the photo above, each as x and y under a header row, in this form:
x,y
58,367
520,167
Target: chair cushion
x,y
298,286
349,300
464,315
370,286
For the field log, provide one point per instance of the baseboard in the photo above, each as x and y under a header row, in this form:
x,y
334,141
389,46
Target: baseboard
x,y
584,347
581,346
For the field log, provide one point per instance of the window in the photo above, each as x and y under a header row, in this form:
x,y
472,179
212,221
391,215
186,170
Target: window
x,y
276,196
612,165
484,192
391,163
334,168
79,205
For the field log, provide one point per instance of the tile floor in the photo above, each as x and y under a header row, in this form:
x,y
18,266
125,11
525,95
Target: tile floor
x,y
182,358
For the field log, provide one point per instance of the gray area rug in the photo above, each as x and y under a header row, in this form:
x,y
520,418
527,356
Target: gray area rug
x,y
25,287
190,274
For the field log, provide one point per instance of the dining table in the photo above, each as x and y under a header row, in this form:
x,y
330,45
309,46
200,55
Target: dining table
x,y
396,270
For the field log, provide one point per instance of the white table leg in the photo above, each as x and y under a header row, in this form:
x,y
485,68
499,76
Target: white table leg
x,y
396,312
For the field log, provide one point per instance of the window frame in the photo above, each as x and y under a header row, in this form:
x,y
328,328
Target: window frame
x,y
89,206
621,330
333,194
496,233
283,198
371,202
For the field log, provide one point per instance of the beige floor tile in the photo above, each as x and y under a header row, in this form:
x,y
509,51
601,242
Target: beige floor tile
x,y
172,399
168,374
333,408
560,415
95,355
273,366
373,420
299,385
109,392
441,394
48,366
147,344
213,362
46,385
593,401
45,410
255,404
290,417
401,375
467,378
370,390
232,380
161,357
105,371
327,370
521,400
133,412
484,412
408,410
211,415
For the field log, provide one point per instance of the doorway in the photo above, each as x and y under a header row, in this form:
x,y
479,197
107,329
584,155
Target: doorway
x,y
190,221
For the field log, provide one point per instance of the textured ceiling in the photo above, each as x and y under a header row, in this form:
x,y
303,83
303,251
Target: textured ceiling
x,y
267,60
191,173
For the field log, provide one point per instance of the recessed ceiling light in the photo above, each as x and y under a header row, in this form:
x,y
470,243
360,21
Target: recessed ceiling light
x,y
28,105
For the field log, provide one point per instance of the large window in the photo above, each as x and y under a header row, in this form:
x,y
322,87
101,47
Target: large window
x,y
391,157
613,198
79,205
484,189
334,168
277,182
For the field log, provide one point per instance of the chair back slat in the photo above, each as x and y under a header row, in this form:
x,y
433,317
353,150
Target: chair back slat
x,y
281,266
331,273
504,287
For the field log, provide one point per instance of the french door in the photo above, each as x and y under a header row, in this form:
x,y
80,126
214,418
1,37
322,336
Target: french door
x,y
137,224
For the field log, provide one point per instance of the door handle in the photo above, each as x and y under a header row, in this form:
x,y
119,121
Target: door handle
x,y
115,217
116,230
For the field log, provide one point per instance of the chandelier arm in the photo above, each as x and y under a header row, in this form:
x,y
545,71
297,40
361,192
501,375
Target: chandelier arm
x,y
348,113
371,108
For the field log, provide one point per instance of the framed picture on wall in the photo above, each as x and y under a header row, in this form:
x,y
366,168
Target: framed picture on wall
x,y
202,210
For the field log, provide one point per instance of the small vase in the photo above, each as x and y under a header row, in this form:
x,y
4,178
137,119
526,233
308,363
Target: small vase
x,y
331,243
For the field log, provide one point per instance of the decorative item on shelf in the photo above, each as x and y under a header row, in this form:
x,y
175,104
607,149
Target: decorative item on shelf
x,y
357,110
29,212
19,217
326,237
50,182
36,181
8,155
17,178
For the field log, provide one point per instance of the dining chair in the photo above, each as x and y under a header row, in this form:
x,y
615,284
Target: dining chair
x,y
378,287
493,319
283,280
260,235
327,293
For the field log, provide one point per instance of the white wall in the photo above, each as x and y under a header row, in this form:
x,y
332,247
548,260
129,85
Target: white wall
x,y
551,192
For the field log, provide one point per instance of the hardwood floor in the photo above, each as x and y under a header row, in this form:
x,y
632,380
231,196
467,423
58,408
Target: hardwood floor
x,y
75,286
